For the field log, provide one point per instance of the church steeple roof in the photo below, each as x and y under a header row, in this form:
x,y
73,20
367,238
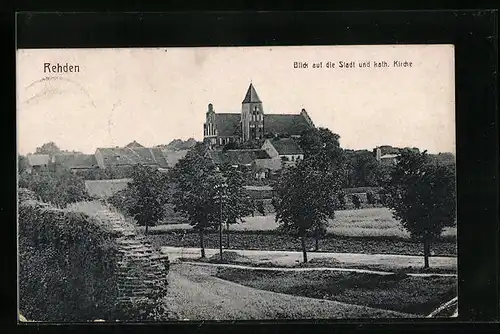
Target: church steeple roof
x,y
251,96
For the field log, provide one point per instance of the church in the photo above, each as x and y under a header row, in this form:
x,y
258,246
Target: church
x,y
252,123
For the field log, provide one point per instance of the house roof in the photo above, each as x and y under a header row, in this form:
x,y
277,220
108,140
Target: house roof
x,y
133,156
172,157
134,144
77,160
38,159
267,164
286,146
238,157
293,124
227,124
251,95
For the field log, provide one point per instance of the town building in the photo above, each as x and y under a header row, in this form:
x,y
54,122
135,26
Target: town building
x,y
251,123
37,162
238,158
130,156
285,149
74,162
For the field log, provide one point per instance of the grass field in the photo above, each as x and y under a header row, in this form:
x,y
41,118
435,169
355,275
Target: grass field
x,y
401,293
370,222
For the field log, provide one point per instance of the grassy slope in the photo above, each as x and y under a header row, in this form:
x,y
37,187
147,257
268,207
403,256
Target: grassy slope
x,y
194,293
416,295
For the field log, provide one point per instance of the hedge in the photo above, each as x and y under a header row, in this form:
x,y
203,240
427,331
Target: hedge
x,y
73,268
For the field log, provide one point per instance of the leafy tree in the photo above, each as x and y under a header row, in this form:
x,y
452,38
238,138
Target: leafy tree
x,y
57,188
316,140
356,201
260,208
421,194
305,197
283,135
236,201
22,163
370,197
195,196
145,196
363,169
48,148
341,200
382,174
230,146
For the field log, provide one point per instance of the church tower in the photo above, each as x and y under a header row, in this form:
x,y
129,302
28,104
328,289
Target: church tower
x,y
252,116
209,128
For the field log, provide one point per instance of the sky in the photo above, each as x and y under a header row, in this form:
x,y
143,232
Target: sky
x,y
156,95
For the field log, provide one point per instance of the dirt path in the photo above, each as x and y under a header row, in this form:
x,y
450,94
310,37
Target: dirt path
x,y
196,295
290,258
361,271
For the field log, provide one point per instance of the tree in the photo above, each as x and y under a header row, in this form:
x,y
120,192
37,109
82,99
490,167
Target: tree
x,y
364,170
370,197
422,195
238,203
306,195
230,146
48,148
305,199
260,208
356,201
195,176
145,196
341,200
315,140
22,163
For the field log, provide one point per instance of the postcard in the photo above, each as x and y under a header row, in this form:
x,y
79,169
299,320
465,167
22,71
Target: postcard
x,y
236,183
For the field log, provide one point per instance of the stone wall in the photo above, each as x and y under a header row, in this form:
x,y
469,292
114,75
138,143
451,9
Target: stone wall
x,y
142,270
81,266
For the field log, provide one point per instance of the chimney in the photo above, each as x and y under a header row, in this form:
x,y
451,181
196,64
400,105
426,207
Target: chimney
x,y
210,107
378,153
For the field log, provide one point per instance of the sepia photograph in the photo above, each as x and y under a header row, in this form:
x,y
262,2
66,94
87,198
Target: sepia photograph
x,y
236,183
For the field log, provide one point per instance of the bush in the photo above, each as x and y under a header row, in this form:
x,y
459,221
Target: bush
x,y
70,268
341,201
356,201
383,198
66,266
260,208
370,197
59,188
